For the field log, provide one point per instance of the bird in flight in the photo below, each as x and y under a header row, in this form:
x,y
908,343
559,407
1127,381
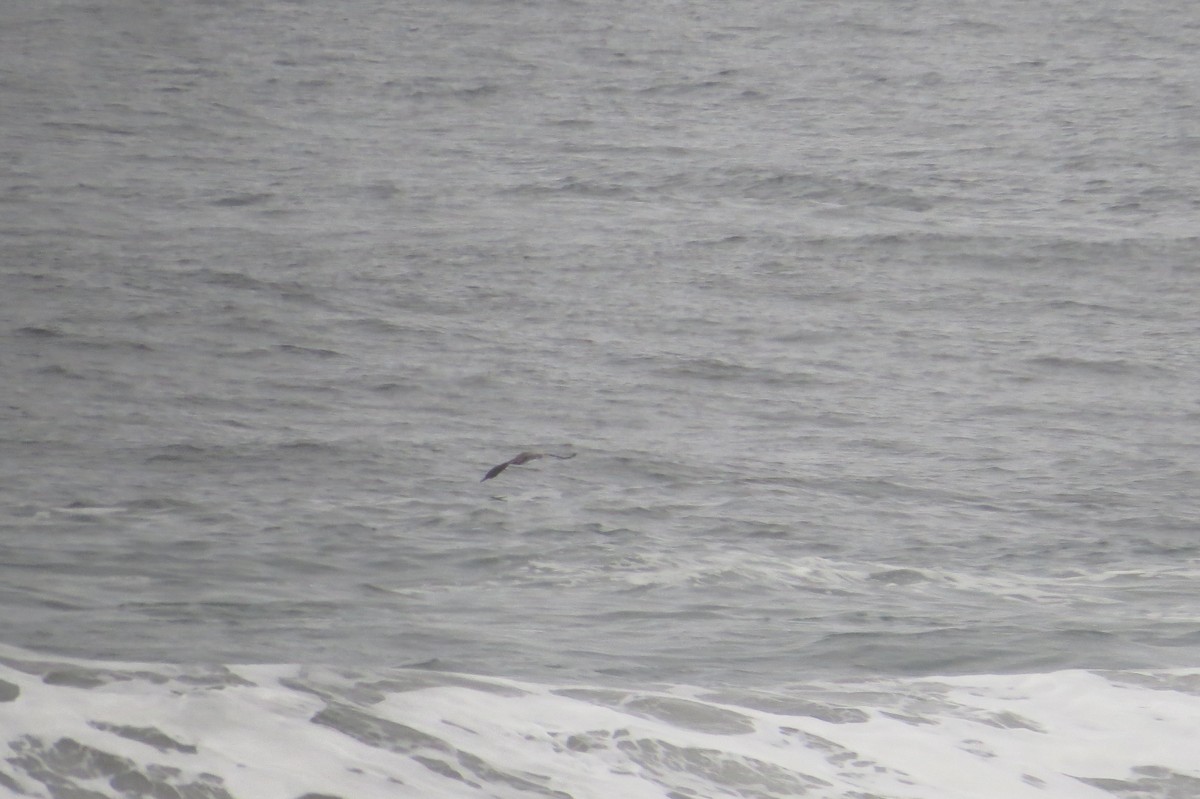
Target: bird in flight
x,y
524,457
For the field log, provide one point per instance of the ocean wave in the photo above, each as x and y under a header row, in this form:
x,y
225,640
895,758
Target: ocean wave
x,y
224,731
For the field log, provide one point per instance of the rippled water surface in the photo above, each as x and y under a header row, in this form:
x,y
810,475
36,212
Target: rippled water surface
x,y
872,326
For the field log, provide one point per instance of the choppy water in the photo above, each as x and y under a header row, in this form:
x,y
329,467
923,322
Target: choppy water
x,y
872,324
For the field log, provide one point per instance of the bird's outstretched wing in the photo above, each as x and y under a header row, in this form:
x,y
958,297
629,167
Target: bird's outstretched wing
x,y
495,470
524,457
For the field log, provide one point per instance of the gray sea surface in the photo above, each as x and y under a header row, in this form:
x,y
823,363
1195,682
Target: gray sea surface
x,y
873,326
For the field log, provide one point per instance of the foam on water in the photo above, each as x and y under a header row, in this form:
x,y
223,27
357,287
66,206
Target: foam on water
x,y
274,731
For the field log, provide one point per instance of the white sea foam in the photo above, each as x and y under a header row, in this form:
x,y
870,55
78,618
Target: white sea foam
x,y
117,730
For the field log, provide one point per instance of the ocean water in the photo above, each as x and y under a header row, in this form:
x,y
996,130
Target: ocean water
x,y
870,325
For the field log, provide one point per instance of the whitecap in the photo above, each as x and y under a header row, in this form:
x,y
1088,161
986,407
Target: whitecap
x,y
281,731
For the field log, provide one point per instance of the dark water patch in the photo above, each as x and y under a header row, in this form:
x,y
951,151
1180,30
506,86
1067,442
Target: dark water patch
x,y
58,371
156,504
898,577
1080,364
685,88
66,767
79,340
150,736
947,650
216,454
113,345
33,331
1083,308
317,352
241,200
380,190
90,677
232,613
1156,782
233,280
181,453
720,370
443,89
1100,367
238,310
576,187
394,387
430,751
375,326
733,775
89,127
812,187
